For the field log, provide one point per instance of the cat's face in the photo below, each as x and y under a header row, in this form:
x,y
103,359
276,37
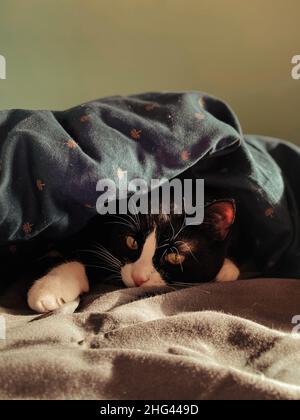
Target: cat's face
x,y
159,250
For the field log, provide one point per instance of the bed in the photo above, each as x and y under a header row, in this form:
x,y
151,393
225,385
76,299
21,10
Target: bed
x,y
214,341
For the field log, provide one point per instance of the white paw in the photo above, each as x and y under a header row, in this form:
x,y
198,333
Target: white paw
x,y
42,300
229,272
62,285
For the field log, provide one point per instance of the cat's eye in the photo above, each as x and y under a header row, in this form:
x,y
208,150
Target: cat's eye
x,y
175,258
131,242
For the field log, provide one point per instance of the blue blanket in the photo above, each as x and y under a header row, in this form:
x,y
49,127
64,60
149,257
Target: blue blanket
x,y
52,161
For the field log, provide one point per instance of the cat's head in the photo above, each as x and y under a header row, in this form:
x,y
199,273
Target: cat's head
x,y
155,250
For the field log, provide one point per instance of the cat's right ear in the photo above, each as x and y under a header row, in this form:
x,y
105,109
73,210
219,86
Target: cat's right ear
x,y
219,217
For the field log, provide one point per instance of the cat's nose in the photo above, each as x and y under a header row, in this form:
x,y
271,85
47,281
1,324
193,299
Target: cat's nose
x,y
139,279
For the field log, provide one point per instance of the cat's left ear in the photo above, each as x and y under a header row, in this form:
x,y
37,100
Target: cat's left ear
x,y
220,216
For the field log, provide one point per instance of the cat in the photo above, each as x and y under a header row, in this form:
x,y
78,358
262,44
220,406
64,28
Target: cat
x,y
141,251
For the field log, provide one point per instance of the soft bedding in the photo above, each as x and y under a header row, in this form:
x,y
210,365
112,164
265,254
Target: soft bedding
x,y
51,163
215,341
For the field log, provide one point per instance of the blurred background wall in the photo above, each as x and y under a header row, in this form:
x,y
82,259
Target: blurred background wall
x,y
63,52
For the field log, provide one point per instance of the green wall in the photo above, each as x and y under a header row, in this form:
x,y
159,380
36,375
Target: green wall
x,y
63,52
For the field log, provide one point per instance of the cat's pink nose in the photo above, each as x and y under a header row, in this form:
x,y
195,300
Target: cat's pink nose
x,y
139,279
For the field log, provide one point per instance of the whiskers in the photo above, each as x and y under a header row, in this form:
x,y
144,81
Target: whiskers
x,y
130,221
122,221
112,279
104,260
182,285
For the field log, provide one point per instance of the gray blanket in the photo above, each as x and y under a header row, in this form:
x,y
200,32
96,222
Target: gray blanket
x,y
215,341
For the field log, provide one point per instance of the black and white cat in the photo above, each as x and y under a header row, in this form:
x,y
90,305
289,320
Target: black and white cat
x,y
140,251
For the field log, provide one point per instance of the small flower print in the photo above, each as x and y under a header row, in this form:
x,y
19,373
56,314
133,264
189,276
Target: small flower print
x,y
84,118
185,155
150,107
27,228
40,185
121,173
269,212
136,134
200,116
71,144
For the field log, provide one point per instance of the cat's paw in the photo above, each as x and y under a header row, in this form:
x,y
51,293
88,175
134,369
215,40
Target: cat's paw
x,y
229,272
62,285
42,299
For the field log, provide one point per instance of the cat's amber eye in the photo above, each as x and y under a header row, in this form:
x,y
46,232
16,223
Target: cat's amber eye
x,y
175,258
132,243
